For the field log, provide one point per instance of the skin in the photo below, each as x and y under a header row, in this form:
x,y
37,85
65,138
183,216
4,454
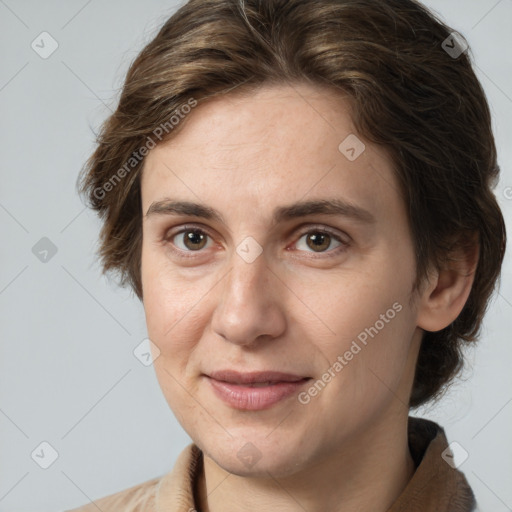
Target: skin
x,y
294,308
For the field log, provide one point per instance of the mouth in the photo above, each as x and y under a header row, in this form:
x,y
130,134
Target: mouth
x,y
254,391
257,378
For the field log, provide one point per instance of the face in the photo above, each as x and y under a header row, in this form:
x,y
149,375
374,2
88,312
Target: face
x,y
262,285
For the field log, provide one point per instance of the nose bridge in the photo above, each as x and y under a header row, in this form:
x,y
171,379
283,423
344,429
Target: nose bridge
x,y
245,284
249,269
248,306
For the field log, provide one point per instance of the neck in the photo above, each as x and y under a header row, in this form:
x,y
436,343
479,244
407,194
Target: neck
x,y
369,474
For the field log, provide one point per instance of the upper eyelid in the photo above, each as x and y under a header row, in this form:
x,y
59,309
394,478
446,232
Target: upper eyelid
x,y
302,230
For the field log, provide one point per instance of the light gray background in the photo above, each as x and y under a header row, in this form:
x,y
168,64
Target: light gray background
x,y
67,369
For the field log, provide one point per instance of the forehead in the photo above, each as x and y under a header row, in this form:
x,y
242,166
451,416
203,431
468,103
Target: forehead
x,y
277,142
270,115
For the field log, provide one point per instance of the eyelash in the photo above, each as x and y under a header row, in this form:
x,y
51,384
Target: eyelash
x,y
311,229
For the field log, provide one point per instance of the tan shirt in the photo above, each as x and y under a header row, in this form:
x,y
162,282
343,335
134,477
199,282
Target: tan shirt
x,y
435,486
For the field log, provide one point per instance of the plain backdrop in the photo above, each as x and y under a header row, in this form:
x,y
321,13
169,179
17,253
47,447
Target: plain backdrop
x,y
68,373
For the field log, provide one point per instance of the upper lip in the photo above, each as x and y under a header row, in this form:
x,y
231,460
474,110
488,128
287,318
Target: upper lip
x,y
235,377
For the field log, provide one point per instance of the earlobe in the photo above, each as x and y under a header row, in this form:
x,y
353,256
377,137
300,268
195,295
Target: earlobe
x,y
448,290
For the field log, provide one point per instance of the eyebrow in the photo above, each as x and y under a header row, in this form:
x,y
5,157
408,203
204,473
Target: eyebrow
x,y
334,207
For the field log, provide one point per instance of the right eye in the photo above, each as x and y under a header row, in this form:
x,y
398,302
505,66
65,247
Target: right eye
x,y
189,239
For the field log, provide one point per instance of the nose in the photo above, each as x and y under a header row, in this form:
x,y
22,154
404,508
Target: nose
x,y
249,306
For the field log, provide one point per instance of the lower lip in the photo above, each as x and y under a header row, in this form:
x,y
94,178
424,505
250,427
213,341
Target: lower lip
x,y
254,399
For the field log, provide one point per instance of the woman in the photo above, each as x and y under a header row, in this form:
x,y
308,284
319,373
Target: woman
x,y
300,194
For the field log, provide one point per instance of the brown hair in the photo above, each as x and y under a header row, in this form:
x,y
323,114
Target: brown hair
x,y
408,93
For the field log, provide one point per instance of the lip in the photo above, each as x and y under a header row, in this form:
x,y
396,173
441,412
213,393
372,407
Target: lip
x,y
235,377
236,391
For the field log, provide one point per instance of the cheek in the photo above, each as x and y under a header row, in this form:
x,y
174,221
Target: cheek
x,y
373,325
171,308
165,301
175,309
171,317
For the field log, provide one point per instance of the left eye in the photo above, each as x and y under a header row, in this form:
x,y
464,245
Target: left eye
x,y
320,240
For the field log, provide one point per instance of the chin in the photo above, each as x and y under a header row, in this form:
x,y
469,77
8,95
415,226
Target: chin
x,y
255,456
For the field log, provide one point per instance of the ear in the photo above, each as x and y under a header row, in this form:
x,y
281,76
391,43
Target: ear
x,y
448,289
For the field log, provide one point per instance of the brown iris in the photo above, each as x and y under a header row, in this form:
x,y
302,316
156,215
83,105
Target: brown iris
x,y
194,237
318,241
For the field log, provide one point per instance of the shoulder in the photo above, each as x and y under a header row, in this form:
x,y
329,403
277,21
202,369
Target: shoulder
x,y
167,492
139,498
